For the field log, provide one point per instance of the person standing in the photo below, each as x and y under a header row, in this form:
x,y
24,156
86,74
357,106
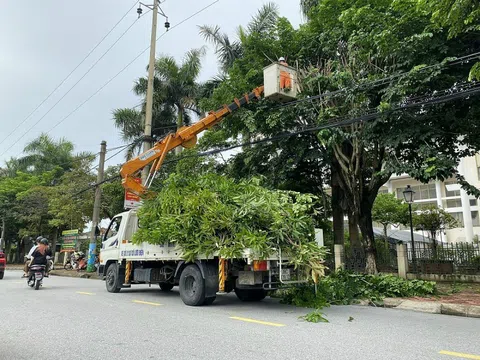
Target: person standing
x,y
285,77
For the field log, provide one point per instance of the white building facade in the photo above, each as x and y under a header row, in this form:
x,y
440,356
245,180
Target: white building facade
x,y
449,196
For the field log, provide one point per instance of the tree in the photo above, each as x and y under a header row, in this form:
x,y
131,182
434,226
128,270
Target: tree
x,y
175,97
228,51
345,47
388,210
45,154
433,219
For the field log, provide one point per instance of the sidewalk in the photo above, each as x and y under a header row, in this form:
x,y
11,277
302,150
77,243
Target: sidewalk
x,y
455,299
61,272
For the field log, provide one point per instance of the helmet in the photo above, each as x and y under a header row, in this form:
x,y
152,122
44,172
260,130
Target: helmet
x,y
281,58
38,239
44,241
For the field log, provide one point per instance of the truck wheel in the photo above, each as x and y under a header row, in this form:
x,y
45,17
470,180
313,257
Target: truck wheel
x,y
192,286
1,275
111,281
166,286
250,294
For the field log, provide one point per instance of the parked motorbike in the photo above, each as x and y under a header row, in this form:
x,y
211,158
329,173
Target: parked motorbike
x,y
77,261
36,275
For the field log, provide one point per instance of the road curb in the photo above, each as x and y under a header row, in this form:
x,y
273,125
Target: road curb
x,y
433,307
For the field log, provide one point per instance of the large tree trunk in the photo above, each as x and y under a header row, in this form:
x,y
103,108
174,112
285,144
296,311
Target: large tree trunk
x,y
353,231
366,227
337,213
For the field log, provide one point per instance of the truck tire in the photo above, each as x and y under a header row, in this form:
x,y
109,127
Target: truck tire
x,y
250,294
111,280
166,286
1,274
192,286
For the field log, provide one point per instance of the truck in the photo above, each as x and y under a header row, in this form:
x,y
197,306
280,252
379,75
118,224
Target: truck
x,y
124,263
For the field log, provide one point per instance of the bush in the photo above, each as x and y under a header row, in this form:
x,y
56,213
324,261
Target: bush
x,y
344,288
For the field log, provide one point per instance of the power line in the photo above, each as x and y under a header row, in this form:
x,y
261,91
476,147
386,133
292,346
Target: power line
x,y
71,72
123,69
382,81
73,86
332,123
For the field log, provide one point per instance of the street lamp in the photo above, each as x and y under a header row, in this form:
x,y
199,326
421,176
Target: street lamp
x,y
408,196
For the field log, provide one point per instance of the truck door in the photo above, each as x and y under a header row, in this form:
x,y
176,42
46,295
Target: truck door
x,y
110,243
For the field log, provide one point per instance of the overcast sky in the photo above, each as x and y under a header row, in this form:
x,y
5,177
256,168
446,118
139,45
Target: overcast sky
x,y
41,42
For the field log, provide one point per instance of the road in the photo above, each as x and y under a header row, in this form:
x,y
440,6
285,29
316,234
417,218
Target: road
x,y
74,318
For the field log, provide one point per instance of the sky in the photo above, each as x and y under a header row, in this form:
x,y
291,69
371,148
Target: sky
x,y
41,42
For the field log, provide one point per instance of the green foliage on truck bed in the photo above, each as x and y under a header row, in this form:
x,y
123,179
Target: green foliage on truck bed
x,y
209,213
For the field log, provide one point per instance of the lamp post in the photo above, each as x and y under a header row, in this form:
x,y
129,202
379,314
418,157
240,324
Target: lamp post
x,y
408,196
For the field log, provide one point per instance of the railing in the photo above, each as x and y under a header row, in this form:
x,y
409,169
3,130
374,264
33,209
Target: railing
x,y
459,258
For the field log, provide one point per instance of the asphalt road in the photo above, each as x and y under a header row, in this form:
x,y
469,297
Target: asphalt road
x,y
71,318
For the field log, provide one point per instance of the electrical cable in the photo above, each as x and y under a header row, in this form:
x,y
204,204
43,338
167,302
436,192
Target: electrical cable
x,y
334,122
71,72
122,70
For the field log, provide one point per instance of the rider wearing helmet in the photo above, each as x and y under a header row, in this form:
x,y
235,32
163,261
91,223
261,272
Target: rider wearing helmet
x,y
29,256
41,254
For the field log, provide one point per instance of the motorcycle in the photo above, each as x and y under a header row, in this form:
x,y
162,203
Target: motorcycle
x,y
36,275
77,261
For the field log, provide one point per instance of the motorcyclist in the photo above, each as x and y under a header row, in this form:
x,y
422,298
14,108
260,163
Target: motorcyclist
x,y
39,256
29,256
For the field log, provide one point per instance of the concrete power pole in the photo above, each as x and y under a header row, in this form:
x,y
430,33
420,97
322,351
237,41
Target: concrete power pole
x,y
151,73
96,208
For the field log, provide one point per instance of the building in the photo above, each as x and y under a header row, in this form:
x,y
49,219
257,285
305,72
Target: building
x,y
449,196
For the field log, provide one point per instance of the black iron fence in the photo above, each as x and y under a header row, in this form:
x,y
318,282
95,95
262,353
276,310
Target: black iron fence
x,y
355,258
459,258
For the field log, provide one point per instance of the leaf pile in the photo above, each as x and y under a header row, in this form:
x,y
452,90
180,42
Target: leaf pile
x,y
211,214
344,288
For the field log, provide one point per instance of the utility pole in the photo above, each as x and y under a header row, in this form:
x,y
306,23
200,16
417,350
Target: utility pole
x,y
151,73
96,208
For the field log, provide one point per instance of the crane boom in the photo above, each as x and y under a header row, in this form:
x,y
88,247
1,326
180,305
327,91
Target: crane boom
x,y
185,136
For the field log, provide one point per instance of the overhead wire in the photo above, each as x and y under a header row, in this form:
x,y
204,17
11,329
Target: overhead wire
x,y
332,123
122,70
381,81
70,74
71,88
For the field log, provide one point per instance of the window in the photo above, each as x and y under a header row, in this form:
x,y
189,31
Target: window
x,y
422,192
475,219
113,227
451,193
473,202
459,217
453,203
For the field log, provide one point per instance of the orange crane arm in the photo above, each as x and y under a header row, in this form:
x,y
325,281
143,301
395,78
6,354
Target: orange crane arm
x,y
185,136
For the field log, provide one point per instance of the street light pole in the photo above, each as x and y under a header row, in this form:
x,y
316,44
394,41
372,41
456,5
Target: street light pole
x,y
151,72
414,256
408,195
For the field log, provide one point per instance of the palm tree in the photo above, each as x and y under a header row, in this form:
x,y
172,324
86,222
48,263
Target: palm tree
x,y
228,51
45,154
307,5
175,97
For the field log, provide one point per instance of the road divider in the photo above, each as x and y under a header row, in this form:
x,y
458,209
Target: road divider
x,y
267,323
460,355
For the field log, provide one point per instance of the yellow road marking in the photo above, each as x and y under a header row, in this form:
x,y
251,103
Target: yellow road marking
x,y
84,293
257,321
146,303
460,355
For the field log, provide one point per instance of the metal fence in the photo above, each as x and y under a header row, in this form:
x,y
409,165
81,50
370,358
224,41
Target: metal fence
x,y
355,258
459,258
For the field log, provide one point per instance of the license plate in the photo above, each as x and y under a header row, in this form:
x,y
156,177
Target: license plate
x,y
38,276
